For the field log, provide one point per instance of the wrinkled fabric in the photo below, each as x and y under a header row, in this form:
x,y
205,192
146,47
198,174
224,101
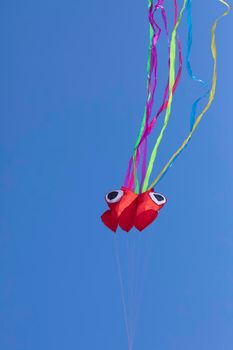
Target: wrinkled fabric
x,y
132,210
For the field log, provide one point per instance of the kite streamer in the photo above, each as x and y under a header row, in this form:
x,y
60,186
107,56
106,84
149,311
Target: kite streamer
x,y
168,110
155,32
131,181
188,65
210,100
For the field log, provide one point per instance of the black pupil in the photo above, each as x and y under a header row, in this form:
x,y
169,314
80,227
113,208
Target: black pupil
x,y
112,195
159,197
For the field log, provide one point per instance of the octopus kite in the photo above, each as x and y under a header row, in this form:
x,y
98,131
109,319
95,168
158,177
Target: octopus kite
x,y
137,203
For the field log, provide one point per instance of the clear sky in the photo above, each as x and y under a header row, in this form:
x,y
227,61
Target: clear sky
x,y
72,87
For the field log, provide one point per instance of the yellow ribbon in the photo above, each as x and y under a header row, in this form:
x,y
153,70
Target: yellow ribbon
x,y
211,96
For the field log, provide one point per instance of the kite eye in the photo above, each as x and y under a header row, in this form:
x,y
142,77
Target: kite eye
x,y
158,198
114,196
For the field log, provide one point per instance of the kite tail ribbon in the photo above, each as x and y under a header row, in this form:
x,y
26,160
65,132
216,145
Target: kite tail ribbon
x,y
168,110
210,100
155,32
188,65
149,127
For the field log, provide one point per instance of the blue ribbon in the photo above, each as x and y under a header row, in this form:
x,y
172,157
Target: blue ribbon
x,y
190,73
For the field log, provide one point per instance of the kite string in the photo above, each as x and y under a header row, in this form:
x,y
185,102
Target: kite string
x,y
122,294
168,110
210,100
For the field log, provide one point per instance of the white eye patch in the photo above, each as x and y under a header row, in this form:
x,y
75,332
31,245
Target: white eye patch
x,y
114,196
158,198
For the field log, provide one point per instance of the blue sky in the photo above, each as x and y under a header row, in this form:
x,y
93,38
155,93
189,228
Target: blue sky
x,y
72,89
